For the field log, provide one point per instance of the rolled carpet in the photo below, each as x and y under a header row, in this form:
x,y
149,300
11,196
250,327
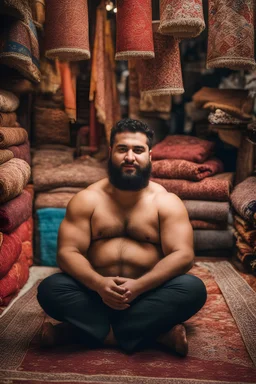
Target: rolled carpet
x,y
182,18
5,155
183,147
213,239
21,151
80,173
188,170
12,136
134,35
53,200
14,176
8,119
210,188
9,102
49,220
207,210
10,250
243,199
15,279
15,212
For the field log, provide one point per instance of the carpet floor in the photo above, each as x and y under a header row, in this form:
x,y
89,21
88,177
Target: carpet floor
x,y
222,341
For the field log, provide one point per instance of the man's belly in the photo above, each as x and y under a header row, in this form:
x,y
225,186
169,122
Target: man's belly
x,y
123,257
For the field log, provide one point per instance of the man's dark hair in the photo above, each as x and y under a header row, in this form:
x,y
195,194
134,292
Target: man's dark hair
x,y
131,125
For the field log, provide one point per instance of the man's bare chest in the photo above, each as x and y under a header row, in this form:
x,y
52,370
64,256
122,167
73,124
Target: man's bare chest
x,y
140,223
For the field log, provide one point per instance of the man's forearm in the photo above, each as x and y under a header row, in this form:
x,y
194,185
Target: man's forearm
x,y
77,266
169,267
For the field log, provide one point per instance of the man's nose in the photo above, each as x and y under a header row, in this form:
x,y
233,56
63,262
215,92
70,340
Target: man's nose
x,y
129,155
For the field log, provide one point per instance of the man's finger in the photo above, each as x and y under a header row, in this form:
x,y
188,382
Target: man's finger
x,y
119,280
118,289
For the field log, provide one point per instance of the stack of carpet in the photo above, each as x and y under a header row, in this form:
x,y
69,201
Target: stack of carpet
x,y
243,200
185,165
16,195
57,177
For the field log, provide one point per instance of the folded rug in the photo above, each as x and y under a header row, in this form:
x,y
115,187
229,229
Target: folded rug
x,y
231,35
134,36
213,239
49,220
49,158
183,169
251,132
236,102
10,250
201,224
20,49
243,199
80,173
8,101
8,119
66,189
182,18
53,200
207,210
248,236
21,151
161,75
5,155
246,224
184,147
15,279
25,232
14,176
12,136
19,9
51,126
27,252
246,254
68,40
221,117
15,212
210,188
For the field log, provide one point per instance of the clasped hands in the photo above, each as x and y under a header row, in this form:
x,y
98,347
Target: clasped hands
x,y
117,292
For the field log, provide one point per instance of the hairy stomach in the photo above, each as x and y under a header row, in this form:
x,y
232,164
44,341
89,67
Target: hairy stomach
x,y
123,257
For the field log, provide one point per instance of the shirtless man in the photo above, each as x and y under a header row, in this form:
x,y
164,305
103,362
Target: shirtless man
x,y
125,247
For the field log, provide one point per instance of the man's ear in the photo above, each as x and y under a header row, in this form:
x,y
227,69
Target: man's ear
x,y
150,155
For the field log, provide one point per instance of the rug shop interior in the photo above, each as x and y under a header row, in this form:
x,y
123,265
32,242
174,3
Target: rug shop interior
x,y
69,71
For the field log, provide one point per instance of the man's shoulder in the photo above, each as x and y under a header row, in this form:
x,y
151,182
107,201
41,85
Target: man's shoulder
x,y
166,201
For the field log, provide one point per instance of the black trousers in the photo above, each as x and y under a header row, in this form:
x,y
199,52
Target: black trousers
x,y
150,314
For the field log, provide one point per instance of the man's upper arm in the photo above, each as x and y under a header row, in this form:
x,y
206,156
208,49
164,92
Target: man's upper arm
x,y
75,231
175,228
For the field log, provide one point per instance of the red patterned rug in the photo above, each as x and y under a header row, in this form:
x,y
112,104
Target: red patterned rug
x,y
221,343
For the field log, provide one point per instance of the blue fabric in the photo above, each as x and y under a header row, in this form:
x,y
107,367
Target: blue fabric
x,y
49,220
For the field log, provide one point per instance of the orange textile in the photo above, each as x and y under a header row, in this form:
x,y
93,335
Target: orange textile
x,y
69,92
103,90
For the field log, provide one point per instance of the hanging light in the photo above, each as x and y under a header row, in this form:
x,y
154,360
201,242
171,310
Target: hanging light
x,y
109,6
115,10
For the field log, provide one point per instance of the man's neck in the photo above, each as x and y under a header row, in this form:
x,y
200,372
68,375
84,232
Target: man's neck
x,y
127,198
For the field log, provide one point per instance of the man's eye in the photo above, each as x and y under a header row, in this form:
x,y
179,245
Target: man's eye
x,y
138,151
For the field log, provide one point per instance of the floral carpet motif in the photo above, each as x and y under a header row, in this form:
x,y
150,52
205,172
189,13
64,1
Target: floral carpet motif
x,y
220,351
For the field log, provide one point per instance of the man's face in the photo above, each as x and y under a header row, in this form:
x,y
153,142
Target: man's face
x,y
129,165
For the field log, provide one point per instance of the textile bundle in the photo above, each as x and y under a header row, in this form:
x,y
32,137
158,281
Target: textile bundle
x,y
49,157
176,147
134,36
20,9
236,102
161,75
183,169
67,30
182,18
14,176
231,35
207,210
21,151
51,126
243,199
53,200
20,49
103,89
10,250
206,225
223,238
68,85
12,136
15,212
5,155
210,188
249,236
245,253
7,119
8,101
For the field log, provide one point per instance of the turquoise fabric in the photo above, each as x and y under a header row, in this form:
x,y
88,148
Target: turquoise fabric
x,y
49,220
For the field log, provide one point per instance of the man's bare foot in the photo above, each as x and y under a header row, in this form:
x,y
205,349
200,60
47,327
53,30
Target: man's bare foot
x,y
176,340
54,335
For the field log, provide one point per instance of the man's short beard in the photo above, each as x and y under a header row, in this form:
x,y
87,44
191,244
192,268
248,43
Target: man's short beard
x,y
126,181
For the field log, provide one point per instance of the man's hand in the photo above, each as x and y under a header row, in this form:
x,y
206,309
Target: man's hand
x,y
131,287
112,293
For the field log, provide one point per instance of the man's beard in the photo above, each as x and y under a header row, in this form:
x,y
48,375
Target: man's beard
x,y
127,181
